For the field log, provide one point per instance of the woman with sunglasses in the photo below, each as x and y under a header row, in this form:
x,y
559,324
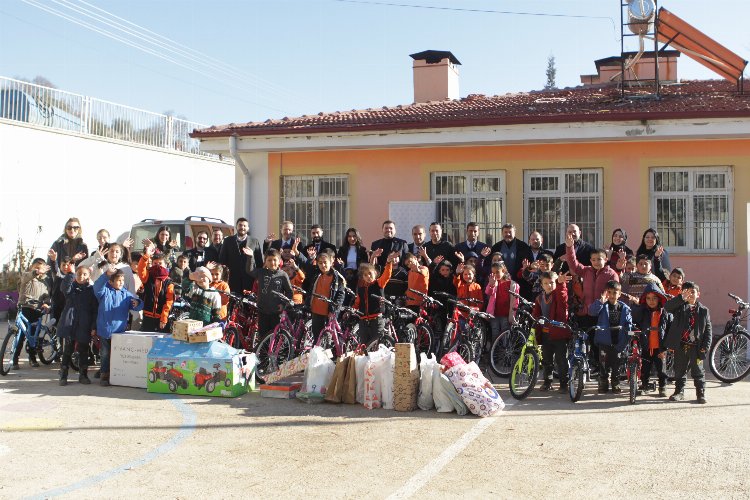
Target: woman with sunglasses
x,y
70,243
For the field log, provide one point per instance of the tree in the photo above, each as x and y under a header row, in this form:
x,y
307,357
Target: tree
x,y
551,73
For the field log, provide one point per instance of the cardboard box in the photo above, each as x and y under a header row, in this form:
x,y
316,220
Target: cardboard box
x,y
199,369
280,390
405,378
128,358
183,327
200,336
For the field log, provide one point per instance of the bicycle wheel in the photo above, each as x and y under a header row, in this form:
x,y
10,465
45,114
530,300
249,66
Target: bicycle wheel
x,y
524,374
421,337
466,351
505,351
232,337
728,358
575,384
48,346
352,339
633,381
268,361
386,340
669,365
7,350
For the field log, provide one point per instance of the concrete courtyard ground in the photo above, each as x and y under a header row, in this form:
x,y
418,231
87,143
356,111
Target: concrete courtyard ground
x,y
95,442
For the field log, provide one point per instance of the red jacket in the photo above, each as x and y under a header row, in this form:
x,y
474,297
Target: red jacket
x,y
558,311
594,282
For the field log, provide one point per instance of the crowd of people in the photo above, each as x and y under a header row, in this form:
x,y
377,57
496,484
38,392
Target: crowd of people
x,y
102,292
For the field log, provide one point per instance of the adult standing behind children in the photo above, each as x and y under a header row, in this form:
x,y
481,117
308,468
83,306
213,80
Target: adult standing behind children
x,y
439,247
514,252
651,246
217,238
351,255
201,253
165,245
536,242
285,241
689,336
236,250
388,244
617,248
472,243
581,248
70,243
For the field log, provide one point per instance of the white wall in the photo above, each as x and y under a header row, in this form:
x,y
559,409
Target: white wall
x,y
48,176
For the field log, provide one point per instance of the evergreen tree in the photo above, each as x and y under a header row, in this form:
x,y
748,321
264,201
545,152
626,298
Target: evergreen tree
x,y
551,73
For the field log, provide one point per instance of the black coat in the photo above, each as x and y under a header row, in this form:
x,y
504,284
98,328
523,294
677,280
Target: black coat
x,y
680,311
197,258
233,257
351,274
79,315
389,245
463,247
61,247
583,255
515,264
442,248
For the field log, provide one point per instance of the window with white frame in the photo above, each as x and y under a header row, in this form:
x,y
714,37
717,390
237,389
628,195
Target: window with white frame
x,y
691,208
463,197
316,199
555,198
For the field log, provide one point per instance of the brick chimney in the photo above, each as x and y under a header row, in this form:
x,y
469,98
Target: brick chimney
x,y
610,67
435,75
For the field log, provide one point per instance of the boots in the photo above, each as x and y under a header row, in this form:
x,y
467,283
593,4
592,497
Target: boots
x,y
546,385
616,389
83,377
603,384
700,395
63,376
104,380
679,392
563,386
662,391
32,357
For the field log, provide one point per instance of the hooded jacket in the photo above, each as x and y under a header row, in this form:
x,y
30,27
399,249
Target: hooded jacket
x,y
642,318
603,336
114,307
79,315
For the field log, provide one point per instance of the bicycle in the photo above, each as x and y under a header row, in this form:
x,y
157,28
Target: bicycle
x,y
525,371
466,340
241,329
506,348
729,358
42,338
400,324
286,339
94,346
427,316
333,335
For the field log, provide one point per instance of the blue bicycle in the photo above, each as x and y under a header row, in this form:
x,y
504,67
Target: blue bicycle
x,y
38,336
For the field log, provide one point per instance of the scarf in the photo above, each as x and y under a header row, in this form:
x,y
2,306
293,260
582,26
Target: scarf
x,y
653,332
158,272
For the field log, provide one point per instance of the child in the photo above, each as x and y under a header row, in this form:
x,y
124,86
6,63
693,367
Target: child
x,y
418,279
77,322
217,273
673,286
112,255
468,291
552,303
115,304
205,302
653,322
610,312
500,303
58,297
270,278
178,271
689,336
329,284
371,323
35,287
296,278
634,283
532,272
158,290
630,264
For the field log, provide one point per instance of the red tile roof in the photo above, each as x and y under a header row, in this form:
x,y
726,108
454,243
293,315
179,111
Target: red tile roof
x,y
689,99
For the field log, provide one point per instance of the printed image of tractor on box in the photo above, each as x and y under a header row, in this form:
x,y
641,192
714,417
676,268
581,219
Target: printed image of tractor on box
x,y
168,373
209,380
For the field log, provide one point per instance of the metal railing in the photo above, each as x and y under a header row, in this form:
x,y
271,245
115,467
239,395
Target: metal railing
x,y
57,109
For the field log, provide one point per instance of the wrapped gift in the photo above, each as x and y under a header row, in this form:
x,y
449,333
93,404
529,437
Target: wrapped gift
x,y
452,359
475,390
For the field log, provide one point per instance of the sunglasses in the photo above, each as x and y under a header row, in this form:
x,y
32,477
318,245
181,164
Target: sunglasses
x,y
73,227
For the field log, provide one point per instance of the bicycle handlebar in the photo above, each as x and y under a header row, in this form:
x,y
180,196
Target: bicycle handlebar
x,y
284,297
431,300
299,290
739,300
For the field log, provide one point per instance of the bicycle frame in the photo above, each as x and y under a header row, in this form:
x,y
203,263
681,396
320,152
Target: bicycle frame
x,y
634,354
578,351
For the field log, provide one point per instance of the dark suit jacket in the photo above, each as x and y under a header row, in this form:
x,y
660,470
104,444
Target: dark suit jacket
x,y
583,255
388,246
463,247
279,245
322,246
233,257
442,248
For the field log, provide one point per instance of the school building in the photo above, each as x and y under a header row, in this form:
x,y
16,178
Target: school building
x,y
679,162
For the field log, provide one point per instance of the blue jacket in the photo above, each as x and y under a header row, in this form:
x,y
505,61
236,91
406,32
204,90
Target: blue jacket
x,y
114,307
604,336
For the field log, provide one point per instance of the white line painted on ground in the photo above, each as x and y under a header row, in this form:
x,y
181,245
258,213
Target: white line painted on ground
x,y
186,429
432,469
4,450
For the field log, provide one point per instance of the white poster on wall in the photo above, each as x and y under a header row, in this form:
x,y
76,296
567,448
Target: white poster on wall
x,y
407,214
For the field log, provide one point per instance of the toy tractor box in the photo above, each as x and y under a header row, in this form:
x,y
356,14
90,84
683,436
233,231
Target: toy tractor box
x,y
128,358
200,369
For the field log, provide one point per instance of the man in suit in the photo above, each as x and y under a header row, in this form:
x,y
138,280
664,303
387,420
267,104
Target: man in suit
x,y
416,247
201,254
217,238
472,243
436,246
581,248
286,241
235,252
536,242
389,243
514,252
317,243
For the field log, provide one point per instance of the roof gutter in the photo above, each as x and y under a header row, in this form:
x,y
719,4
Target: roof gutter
x,y
245,172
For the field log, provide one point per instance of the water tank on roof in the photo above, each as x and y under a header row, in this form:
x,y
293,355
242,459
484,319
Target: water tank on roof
x,y
641,15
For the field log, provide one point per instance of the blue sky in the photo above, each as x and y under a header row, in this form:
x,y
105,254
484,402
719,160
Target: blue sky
x,y
294,57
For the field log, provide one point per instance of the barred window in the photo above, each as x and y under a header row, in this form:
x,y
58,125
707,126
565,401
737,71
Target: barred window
x,y
463,197
316,199
555,198
691,208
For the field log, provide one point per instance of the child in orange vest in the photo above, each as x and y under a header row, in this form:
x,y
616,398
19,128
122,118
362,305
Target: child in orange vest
x,y
218,284
653,321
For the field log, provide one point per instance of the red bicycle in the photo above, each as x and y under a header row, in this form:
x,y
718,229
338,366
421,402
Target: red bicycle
x,y
633,363
241,329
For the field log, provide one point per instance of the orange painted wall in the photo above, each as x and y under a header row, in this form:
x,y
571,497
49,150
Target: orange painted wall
x,y
380,176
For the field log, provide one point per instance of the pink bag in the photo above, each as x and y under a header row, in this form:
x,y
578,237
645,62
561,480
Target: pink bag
x,y
452,359
476,391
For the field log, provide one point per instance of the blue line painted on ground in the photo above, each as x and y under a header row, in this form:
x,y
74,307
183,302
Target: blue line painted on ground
x,y
186,429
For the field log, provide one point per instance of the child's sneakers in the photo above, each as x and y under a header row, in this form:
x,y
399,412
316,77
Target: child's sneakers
x,y
83,378
700,395
546,386
662,391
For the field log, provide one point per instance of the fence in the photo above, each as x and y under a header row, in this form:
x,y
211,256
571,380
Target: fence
x,y
57,109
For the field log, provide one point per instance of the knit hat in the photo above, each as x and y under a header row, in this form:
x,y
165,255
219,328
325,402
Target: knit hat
x,y
202,272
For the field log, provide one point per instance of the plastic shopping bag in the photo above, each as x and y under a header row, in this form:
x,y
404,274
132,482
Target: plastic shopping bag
x,y
360,362
385,373
442,400
318,373
372,385
456,400
476,391
426,365
452,359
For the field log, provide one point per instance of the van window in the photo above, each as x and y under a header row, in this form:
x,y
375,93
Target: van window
x,y
141,232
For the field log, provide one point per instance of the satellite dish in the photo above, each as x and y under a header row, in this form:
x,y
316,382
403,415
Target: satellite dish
x,y
641,15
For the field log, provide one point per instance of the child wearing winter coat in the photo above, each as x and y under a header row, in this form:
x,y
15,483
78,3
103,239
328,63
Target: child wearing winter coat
x,y
653,321
611,313
115,304
158,290
689,336
468,291
34,300
532,272
552,303
218,284
205,302
500,303
634,283
77,322
673,285
371,322
268,279
296,278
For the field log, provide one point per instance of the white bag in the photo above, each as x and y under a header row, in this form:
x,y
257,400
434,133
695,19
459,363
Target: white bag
x,y
372,385
360,362
426,365
319,372
442,400
450,391
385,373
